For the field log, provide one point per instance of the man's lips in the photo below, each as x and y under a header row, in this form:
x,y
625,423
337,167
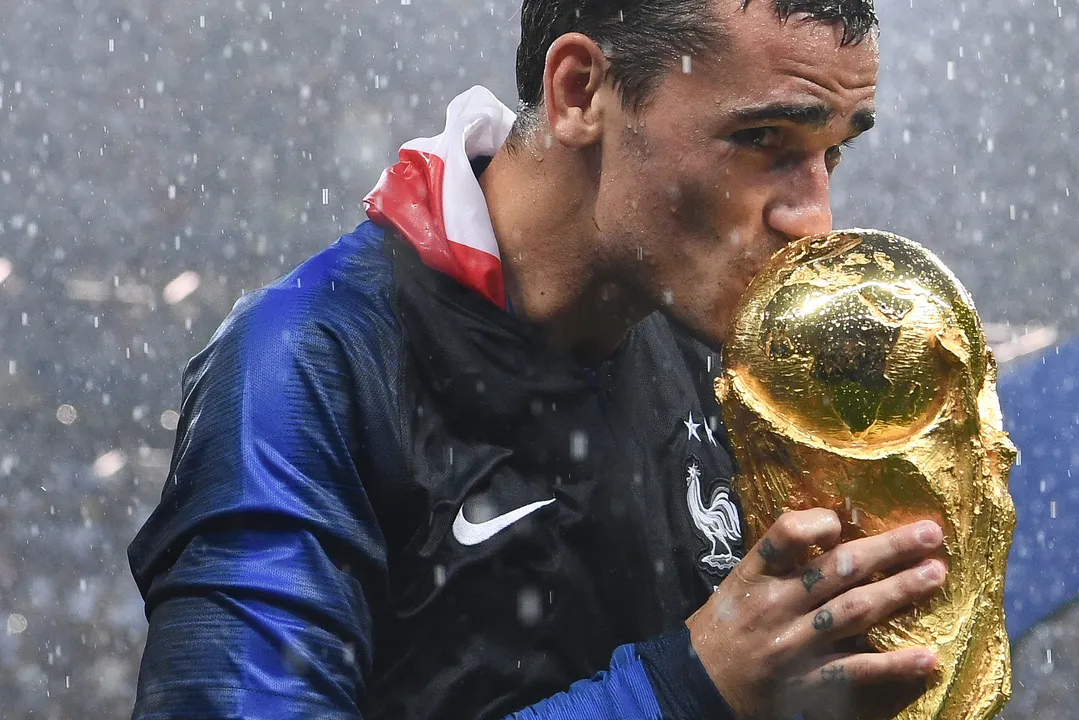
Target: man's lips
x,y
774,246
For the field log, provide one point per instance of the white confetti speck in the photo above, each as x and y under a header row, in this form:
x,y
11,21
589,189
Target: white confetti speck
x,y
844,564
16,624
578,445
109,464
170,419
181,286
529,606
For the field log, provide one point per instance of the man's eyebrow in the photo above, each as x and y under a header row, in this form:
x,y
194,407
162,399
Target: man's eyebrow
x,y
863,120
811,115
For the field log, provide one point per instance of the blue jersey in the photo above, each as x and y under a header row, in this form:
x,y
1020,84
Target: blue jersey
x,y
389,498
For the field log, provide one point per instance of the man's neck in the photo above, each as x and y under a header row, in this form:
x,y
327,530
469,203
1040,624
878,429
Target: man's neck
x,y
556,273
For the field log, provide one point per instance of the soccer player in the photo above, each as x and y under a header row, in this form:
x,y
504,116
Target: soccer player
x,y
466,461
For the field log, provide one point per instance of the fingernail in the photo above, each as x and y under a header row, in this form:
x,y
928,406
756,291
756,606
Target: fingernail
x,y
932,571
927,661
929,533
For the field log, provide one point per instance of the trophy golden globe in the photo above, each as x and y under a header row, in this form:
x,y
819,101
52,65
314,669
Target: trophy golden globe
x,y
856,377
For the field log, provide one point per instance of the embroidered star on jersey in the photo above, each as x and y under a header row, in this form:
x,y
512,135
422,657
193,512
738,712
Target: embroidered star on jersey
x,y
691,428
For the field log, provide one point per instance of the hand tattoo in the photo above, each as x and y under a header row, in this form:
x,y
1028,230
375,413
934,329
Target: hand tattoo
x,y
810,577
823,620
768,551
832,674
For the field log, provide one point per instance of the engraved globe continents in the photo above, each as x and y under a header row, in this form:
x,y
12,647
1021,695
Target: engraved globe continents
x,y
856,378
839,331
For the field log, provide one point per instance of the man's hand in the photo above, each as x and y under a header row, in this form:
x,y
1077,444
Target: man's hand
x,y
768,635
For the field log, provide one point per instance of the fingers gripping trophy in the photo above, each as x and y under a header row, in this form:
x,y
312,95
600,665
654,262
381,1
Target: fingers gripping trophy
x,y
856,378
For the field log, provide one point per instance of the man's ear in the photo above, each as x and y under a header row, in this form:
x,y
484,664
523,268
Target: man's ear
x,y
572,82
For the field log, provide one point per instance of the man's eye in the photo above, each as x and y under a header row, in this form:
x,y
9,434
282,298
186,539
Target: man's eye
x,y
835,153
833,156
765,137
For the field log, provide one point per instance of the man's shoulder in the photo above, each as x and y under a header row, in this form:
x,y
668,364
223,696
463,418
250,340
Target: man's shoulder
x,y
342,293
294,395
354,269
328,320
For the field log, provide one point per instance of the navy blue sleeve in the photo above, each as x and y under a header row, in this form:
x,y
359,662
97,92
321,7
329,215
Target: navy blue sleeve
x,y
621,693
661,679
683,688
262,560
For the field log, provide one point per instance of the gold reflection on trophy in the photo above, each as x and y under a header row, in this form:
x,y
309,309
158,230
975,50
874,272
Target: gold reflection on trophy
x,y
856,377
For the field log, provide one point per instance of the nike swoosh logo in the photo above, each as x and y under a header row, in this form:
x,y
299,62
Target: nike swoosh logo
x,y
468,533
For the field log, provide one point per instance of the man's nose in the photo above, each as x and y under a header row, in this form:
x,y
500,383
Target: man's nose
x,y
802,206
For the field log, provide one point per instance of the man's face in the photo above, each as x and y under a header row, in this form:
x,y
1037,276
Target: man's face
x,y
731,160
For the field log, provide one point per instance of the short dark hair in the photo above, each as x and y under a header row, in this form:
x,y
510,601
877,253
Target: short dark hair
x,y
642,39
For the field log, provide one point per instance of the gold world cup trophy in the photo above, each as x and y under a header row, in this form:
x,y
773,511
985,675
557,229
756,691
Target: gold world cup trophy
x,y
856,377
